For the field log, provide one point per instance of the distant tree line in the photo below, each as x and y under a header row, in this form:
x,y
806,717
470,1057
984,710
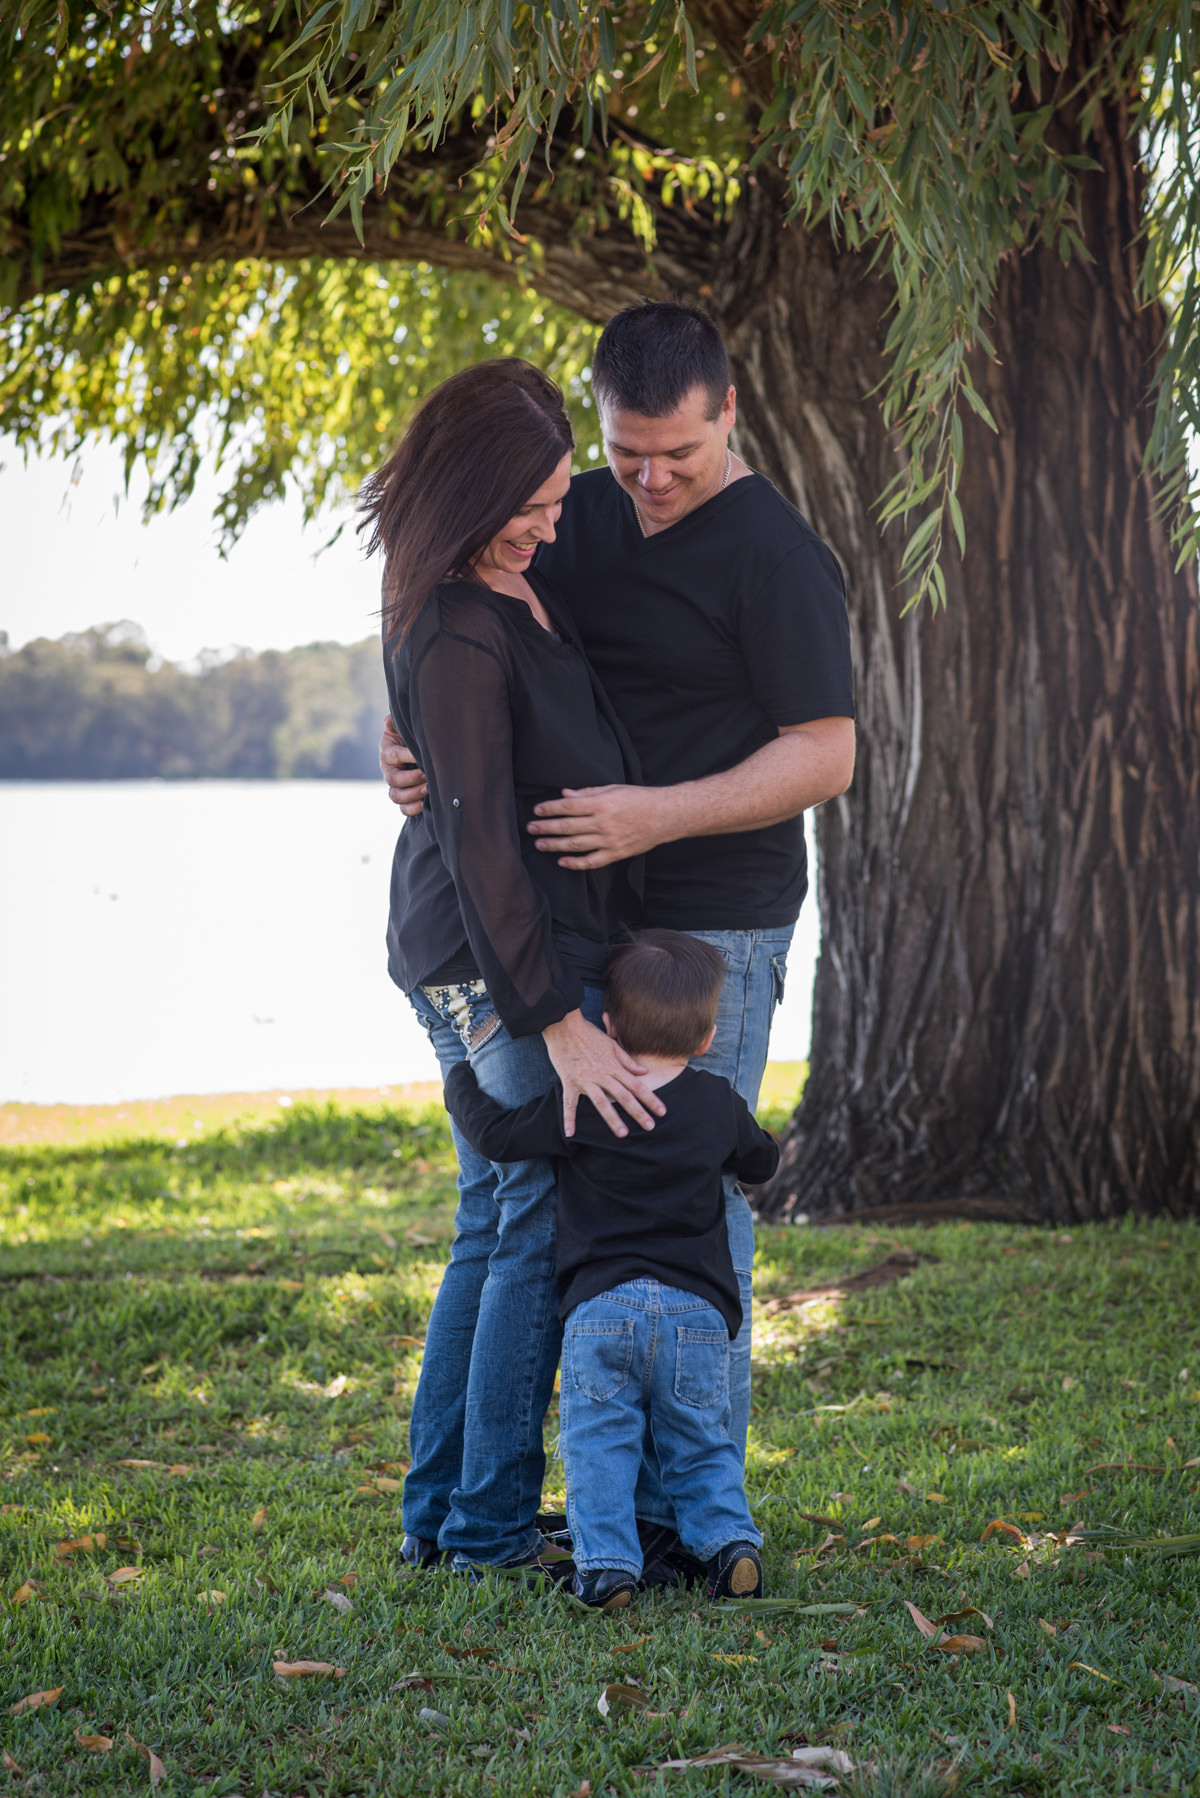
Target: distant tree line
x,y
99,705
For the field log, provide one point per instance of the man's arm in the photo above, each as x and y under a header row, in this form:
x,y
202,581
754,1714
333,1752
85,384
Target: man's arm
x,y
502,1135
805,765
406,783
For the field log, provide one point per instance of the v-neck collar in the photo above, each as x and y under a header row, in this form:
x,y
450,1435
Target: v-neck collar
x,y
643,540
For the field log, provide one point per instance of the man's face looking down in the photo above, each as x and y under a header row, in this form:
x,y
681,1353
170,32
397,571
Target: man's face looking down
x,y
669,466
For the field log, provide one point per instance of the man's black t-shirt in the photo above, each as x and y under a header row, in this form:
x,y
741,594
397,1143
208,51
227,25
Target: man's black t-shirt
x,y
706,636
650,1203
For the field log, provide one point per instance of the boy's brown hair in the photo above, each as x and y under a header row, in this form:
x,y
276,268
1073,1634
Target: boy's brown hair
x,y
661,992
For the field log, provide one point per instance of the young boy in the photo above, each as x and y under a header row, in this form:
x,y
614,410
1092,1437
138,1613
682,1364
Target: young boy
x,y
645,1280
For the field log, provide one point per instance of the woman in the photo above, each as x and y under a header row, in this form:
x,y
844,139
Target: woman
x,y
499,949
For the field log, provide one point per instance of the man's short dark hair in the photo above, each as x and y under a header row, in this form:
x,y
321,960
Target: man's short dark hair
x,y
652,355
661,992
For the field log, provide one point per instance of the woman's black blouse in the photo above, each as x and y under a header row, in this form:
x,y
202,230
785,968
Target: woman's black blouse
x,y
500,714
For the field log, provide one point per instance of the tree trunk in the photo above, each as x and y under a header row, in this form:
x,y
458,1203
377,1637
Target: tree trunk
x,y
1007,1007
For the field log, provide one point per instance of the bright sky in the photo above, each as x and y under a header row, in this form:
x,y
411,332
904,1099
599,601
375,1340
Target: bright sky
x,y
76,553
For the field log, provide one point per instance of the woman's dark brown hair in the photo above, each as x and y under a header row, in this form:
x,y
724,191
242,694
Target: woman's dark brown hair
x,y
476,449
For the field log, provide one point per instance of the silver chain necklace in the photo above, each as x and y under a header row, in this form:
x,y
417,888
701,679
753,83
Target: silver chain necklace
x,y
720,489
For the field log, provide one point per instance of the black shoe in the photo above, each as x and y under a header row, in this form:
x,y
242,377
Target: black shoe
x,y
665,1561
547,1565
735,1571
605,1588
421,1553
553,1526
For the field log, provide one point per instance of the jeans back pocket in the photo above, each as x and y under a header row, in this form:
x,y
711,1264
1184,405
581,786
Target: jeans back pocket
x,y
701,1366
601,1356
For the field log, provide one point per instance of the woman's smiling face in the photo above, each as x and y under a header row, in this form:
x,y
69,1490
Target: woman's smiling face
x,y
511,549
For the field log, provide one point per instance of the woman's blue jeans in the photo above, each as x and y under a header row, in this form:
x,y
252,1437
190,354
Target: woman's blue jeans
x,y
492,1346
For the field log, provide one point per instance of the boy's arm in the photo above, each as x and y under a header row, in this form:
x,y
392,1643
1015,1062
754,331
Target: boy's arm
x,y
757,1153
502,1135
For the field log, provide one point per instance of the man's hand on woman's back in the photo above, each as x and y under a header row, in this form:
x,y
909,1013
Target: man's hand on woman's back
x,y
406,784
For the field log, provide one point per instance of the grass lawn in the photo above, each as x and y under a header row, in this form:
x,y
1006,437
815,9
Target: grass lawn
x,y
209,1347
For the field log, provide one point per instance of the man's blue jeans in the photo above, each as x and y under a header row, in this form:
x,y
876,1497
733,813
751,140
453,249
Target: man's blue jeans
x,y
756,966
492,1346
646,1354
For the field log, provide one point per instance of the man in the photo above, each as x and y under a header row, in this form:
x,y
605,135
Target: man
x,y
715,618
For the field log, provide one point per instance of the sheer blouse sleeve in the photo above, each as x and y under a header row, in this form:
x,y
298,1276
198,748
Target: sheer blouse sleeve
x,y
461,708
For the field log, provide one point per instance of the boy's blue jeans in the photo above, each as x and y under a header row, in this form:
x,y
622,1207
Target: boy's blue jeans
x,y
647,1362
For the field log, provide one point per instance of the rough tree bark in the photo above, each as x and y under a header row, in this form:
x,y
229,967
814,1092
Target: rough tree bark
x,y
1007,1009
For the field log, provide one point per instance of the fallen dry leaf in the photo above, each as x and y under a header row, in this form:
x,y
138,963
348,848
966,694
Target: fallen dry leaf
x,y
872,1523
1075,1498
917,1543
1174,1684
157,1771
12,1510
10,1765
291,1285
1012,1711
211,1597
23,1594
1119,1729
94,1744
1023,1571
936,1498
306,1669
80,1545
259,1519
338,1600
616,1698
36,1701
181,1470
628,1647
37,1439
998,1523
383,1484
337,1385
134,1461
928,1630
124,1576
903,1487
804,1769
960,1645
1049,1628
1084,1668
736,1660
1194,1462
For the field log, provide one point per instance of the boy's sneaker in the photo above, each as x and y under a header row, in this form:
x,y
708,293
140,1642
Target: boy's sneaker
x,y
421,1553
665,1561
735,1571
605,1588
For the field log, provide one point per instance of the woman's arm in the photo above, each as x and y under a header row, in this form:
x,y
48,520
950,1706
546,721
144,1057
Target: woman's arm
x,y
461,712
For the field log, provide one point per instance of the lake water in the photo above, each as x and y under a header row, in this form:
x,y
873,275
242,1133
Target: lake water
x,y
216,936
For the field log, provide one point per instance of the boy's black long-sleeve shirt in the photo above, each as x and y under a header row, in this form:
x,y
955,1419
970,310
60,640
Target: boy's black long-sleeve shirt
x,y
650,1203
